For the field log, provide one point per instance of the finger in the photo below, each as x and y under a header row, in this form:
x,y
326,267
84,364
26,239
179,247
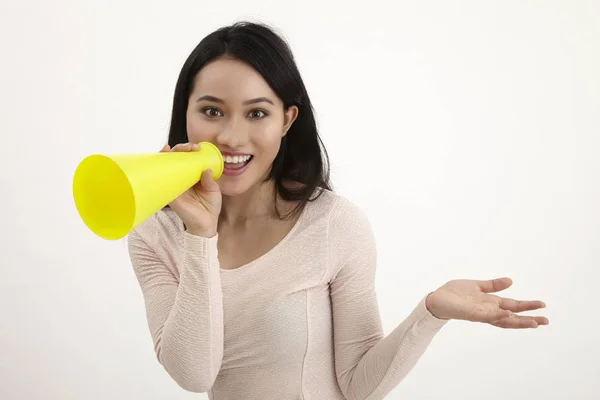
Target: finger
x,y
494,285
182,147
208,182
520,322
165,148
520,305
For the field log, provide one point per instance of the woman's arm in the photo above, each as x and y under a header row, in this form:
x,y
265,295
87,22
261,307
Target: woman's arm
x,y
185,315
368,364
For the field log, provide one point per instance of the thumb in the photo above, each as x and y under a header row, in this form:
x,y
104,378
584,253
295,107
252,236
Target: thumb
x,y
494,285
208,182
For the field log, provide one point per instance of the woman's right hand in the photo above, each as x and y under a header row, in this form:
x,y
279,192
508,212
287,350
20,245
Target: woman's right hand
x,y
198,207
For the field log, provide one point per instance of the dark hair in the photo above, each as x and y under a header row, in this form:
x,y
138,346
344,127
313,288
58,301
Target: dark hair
x,y
302,157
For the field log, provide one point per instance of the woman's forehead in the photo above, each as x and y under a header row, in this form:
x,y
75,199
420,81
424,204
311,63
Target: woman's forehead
x,y
231,78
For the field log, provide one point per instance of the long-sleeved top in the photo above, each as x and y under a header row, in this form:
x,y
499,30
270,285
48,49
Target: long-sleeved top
x,y
299,322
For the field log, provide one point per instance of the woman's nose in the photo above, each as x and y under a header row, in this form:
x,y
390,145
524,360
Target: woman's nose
x,y
233,135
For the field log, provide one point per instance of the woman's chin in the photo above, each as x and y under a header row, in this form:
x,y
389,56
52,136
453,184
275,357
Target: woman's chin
x,y
232,185
230,189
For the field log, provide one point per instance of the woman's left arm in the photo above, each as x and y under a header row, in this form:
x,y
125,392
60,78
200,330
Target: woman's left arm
x,y
369,365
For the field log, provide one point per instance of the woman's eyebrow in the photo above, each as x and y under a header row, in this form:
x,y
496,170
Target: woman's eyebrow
x,y
259,100
251,101
210,98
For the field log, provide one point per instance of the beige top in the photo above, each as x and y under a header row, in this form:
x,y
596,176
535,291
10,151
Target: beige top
x,y
300,322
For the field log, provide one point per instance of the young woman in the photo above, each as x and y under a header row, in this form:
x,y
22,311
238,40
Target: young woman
x,y
260,285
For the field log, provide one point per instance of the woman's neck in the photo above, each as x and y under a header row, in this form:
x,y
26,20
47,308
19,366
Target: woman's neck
x,y
257,203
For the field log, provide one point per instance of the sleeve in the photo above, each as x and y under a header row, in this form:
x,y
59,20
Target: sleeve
x,y
368,365
185,314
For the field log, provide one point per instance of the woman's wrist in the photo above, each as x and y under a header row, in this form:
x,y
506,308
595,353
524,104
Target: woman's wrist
x,y
202,232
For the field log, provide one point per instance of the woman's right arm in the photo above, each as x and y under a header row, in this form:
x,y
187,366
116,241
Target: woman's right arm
x,y
185,315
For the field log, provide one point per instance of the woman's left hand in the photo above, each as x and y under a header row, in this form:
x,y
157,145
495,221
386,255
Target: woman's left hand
x,y
471,300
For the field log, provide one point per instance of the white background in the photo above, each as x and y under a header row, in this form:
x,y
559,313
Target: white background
x,y
467,130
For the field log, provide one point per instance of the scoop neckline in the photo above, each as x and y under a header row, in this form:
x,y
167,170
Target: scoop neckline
x,y
273,250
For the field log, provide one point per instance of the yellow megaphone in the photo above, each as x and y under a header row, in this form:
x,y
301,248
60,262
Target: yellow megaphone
x,y
115,194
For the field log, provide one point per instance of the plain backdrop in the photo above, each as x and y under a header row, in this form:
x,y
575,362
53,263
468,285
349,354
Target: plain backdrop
x,y
469,131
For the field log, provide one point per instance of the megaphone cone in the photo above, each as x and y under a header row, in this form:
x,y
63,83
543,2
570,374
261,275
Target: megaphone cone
x,y
115,194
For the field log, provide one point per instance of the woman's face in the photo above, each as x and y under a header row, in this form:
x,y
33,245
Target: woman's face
x,y
233,107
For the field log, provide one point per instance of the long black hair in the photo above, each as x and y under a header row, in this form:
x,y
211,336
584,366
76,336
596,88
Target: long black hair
x,y
302,157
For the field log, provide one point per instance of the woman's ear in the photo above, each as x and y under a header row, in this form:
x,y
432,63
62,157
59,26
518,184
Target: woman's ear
x,y
289,117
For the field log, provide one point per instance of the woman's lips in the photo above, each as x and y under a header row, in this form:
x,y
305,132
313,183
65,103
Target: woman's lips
x,y
235,163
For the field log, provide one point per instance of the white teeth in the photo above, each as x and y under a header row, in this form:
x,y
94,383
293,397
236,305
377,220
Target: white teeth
x,y
236,159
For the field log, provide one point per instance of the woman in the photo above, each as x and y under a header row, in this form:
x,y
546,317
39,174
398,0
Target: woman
x,y
261,285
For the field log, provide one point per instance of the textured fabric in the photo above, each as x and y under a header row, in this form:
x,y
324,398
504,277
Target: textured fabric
x,y
300,322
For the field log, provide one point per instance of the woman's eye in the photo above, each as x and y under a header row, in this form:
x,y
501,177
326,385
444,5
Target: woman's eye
x,y
257,114
212,112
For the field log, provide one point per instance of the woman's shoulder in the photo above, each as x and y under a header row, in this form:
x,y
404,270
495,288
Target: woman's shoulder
x,y
350,238
339,209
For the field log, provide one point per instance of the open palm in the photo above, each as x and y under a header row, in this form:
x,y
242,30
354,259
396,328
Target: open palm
x,y
472,300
